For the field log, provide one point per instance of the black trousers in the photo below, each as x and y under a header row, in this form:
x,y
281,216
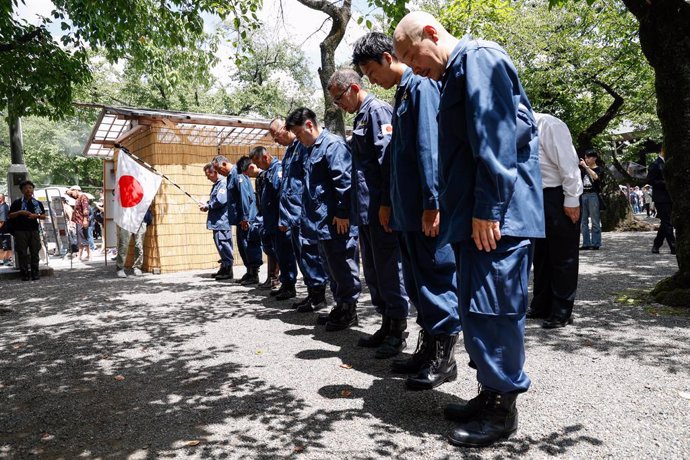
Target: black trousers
x,y
663,212
27,245
556,260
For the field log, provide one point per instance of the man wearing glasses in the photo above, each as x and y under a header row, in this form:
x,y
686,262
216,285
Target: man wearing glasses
x,y
381,258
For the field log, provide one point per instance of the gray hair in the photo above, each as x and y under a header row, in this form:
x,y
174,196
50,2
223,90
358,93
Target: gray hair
x,y
343,78
218,159
209,167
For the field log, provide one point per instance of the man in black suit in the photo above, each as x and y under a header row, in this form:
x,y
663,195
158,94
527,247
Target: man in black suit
x,y
663,203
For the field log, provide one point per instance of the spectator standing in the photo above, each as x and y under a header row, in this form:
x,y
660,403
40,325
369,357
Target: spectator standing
x,y
556,257
25,213
591,182
80,217
648,201
5,237
123,239
663,204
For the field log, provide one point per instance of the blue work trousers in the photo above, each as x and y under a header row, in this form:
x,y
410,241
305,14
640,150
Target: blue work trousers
x,y
249,247
383,271
223,241
267,244
590,211
342,260
282,246
492,290
311,264
430,279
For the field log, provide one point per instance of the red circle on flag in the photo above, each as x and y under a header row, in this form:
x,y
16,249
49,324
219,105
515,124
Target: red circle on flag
x,y
131,191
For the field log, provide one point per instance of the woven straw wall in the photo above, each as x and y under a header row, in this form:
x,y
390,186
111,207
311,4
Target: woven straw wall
x,y
178,239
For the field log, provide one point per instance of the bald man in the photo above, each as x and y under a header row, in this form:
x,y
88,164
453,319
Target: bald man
x,y
491,202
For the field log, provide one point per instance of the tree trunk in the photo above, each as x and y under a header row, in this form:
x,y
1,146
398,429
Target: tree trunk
x,y
340,16
665,41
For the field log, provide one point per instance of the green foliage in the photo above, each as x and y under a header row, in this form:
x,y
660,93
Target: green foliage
x,y
394,10
568,56
52,152
164,41
272,80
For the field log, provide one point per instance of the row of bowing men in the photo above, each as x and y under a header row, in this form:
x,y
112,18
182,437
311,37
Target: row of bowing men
x,y
441,208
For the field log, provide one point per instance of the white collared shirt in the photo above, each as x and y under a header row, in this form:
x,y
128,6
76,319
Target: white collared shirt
x,y
557,158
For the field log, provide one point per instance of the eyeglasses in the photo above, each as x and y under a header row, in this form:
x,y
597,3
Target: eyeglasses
x,y
336,100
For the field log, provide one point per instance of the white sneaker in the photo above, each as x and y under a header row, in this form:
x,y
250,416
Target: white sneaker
x,y
137,272
121,274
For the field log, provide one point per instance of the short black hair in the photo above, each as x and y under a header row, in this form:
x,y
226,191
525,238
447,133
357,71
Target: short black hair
x,y
257,152
591,153
26,182
243,164
299,117
371,48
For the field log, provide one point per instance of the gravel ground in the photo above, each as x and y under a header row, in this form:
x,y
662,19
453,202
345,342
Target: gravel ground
x,y
181,366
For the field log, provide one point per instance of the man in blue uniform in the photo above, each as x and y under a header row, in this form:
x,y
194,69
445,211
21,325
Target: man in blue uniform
x,y
217,220
248,235
290,219
225,168
492,207
371,134
326,200
409,206
282,245
266,242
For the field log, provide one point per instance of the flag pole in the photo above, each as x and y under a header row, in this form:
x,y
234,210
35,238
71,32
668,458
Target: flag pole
x,y
153,170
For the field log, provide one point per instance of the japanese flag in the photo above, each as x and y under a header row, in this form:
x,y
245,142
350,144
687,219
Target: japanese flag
x,y
134,190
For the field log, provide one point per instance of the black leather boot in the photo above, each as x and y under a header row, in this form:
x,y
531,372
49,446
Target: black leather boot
x,y
288,292
376,339
252,277
414,363
395,342
346,318
462,412
314,301
271,278
333,314
497,419
440,366
225,273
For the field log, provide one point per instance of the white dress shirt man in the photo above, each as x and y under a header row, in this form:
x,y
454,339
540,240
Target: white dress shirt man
x,y
556,257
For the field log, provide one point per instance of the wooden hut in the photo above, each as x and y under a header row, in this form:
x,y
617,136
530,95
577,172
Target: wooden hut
x,y
178,145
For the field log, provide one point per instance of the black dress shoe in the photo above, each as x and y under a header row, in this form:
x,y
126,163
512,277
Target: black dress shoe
x,y
585,248
594,248
25,275
555,323
655,250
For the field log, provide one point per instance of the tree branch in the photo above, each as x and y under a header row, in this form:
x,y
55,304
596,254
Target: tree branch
x,y
24,39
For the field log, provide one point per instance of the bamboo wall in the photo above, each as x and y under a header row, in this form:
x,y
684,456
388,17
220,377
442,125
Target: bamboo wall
x,y
178,239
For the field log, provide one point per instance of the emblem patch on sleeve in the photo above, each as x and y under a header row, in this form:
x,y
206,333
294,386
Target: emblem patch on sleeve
x,y
387,129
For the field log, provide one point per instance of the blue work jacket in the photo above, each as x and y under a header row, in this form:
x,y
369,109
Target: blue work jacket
x,y
488,146
232,196
270,195
291,211
217,218
246,205
371,134
413,153
328,169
